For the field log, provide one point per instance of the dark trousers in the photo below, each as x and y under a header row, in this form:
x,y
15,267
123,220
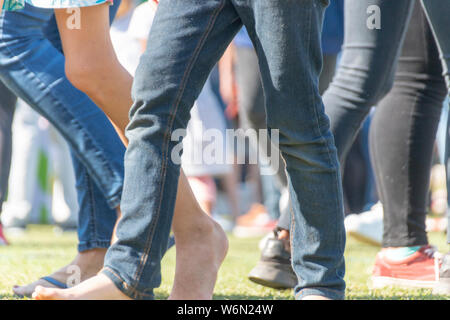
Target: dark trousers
x,y
402,135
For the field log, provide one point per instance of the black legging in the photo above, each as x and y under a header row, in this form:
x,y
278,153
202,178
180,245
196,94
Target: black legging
x,y
402,136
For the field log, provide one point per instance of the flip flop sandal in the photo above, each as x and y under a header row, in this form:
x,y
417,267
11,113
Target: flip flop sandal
x,y
55,282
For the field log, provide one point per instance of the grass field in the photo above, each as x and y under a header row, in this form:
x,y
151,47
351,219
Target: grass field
x,y
41,250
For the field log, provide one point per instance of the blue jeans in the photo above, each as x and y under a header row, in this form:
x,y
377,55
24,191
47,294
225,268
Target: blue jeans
x,y
32,66
369,60
187,39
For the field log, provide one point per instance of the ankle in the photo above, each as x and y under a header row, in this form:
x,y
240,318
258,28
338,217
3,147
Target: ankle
x,y
91,257
202,225
284,236
400,253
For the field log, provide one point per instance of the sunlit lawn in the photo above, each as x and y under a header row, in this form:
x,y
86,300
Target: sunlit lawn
x,y
40,250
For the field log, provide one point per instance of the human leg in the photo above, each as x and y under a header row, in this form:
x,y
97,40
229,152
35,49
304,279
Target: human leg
x,y
401,144
436,16
402,136
45,88
306,143
150,118
366,67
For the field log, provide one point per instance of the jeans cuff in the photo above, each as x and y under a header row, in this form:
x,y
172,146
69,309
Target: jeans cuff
x,y
327,293
126,289
88,245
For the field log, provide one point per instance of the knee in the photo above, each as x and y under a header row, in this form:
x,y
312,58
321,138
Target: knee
x,y
363,85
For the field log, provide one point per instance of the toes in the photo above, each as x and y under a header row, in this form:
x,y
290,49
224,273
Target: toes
x,y
21,291
41,293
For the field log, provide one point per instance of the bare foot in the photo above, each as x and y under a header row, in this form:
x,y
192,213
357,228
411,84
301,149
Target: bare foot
x,y
99,287
89,263
200,254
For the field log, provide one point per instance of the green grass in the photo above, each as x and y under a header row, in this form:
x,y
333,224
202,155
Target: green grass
x,y
41,250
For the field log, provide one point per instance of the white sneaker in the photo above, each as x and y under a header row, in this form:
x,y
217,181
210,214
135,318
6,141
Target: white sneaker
x,y
367,226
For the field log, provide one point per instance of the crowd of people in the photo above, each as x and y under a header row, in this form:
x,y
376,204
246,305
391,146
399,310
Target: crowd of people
x,y
343,102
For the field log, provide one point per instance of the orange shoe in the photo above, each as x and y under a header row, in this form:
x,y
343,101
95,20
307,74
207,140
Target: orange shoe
x,y
3,241
255,210
255,223
419,270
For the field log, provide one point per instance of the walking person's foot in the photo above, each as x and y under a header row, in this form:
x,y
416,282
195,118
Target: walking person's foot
x,y
366,226
411,267
200,254
99,287
89,263
274,268
443,285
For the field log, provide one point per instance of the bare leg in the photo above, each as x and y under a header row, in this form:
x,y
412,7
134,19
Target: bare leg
x,y
201,246
92,67
204,190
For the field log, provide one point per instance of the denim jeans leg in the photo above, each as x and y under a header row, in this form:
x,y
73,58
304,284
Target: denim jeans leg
x,y
187,39
33,69
437,13
96,220
367,66
287,37
33,66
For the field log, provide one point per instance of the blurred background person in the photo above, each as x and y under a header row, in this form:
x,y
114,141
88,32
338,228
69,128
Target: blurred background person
x,y
7,106
41,182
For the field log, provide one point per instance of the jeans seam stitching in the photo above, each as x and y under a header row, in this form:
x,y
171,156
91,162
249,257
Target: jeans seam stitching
x,y
93,225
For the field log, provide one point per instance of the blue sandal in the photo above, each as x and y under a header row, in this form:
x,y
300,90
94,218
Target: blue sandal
x,y
55,282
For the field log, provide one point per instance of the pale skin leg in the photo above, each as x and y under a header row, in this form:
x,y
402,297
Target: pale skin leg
x,y
92,67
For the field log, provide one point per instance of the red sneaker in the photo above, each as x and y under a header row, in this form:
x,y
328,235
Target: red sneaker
x,y
3,241
419,270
